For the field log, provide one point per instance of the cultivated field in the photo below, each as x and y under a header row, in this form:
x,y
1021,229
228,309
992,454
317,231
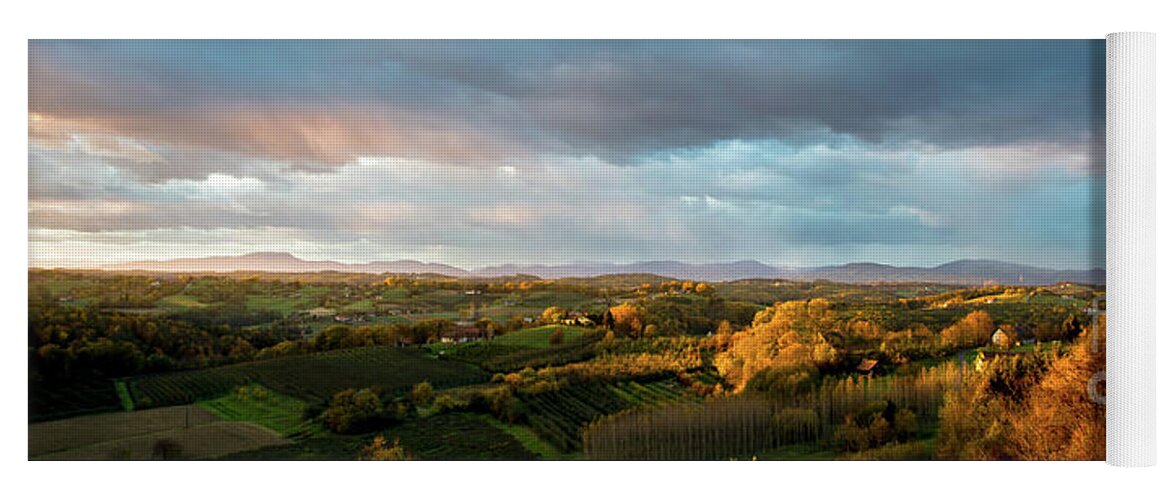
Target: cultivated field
x,y
177,432
313,377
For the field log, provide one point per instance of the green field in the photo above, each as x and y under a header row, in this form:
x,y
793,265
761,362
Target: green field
x,y
282,305
124,396
253,403
538,337
505,357
314,377
527,438
180,302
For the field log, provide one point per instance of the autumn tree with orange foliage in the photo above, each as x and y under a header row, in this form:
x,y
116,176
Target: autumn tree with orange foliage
x,y
627,319
554,314
380,450
784,335
1030,407
973,330
1061,420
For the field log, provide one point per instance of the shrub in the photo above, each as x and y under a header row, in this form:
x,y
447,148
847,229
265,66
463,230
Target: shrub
x,y
446,403
380,450
422,393
499,402
353,411
876,426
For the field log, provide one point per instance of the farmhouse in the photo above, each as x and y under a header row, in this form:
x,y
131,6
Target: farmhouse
x,y
868,366
577,318
461,333
350,318
319,312
1001,339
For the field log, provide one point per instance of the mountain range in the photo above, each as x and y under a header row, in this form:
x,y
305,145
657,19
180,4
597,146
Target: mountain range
x,y
280,262
961,272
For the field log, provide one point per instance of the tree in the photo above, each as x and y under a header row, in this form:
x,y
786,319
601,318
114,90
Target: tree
x,y
336,337
489,328
628,319
703,288
353,411
1061,419
725,328
973,330
422,393
553,314
789,334
380,450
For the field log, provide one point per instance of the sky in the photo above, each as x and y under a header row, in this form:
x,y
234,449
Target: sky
x,y
476,153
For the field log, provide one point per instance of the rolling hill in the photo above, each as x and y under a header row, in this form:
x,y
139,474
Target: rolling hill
x,y
963,272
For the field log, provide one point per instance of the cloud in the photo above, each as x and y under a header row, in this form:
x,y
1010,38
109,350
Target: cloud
x,y
744,199
477,153
490,101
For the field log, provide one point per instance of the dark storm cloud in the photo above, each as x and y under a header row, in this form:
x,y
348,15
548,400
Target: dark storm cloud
x,y
493,100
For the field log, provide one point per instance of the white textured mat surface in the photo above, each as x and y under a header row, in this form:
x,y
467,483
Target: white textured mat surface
x,y
1130,249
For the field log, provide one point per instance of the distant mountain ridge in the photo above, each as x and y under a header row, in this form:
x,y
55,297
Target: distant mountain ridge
x,y
960,272
280,262
745,269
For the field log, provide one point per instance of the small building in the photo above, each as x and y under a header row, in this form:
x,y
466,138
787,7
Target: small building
x,y
320,312
461,333
350,318
868,367
1002,340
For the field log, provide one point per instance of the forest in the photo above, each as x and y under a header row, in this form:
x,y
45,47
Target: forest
x,y
623,367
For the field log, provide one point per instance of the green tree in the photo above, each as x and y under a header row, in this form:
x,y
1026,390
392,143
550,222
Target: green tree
x,y
352,411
